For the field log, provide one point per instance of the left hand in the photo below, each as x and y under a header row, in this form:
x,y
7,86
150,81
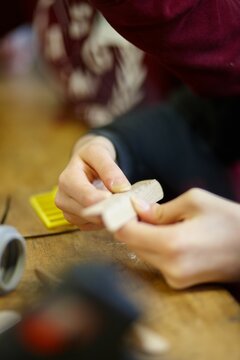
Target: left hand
x,y
192,239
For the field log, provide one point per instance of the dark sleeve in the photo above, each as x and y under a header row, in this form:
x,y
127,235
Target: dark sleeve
x,y
127,159
131,135
158,142
151,143
15,13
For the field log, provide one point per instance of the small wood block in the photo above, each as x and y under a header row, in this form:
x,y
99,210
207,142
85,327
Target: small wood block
x,y
117,210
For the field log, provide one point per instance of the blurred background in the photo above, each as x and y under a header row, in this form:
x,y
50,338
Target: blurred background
x,y
95,74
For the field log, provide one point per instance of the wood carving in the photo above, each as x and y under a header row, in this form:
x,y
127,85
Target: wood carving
x,y
117,210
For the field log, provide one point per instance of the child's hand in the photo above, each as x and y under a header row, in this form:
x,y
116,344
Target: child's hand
x,y
192,239
93,161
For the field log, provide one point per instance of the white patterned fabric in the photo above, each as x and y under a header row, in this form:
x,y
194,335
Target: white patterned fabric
x,y
100,74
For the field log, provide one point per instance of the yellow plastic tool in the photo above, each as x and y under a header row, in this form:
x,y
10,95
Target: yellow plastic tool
x,y
46,209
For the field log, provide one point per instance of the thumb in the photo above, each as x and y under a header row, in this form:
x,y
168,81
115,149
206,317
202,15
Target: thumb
x,y
100,156
171,212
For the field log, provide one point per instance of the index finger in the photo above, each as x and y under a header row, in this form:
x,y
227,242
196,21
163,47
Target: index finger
x,y
75,183
98,158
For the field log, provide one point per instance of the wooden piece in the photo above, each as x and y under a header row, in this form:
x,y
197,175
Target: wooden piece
x,y
118,209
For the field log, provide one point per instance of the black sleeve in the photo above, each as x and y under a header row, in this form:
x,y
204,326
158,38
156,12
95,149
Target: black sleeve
x,y
126,158
158,142
126,134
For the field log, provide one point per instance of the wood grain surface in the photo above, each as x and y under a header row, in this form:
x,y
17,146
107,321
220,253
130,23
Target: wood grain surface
x,y
200,324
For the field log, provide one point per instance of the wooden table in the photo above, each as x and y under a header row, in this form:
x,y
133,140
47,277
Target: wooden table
x,y
200,324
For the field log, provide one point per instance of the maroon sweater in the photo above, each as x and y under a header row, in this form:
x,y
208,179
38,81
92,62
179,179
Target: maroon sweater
x,y
198,40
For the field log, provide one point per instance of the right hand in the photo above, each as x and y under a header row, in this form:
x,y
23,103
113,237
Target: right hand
x,y
192,239
92,161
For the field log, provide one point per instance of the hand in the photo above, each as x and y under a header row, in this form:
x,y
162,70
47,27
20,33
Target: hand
x,y
92,162
192,239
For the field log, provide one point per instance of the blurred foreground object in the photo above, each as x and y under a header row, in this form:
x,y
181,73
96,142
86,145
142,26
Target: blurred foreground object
x,y
84,318
88,316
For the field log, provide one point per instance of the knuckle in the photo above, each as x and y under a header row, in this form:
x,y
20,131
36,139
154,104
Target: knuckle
x,y
179,275
195,195
62,180
58,201
91,148
68,217
173,250
78,221
87,199
176,246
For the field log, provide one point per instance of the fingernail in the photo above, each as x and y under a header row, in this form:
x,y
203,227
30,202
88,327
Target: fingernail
x,y
140,204
120,186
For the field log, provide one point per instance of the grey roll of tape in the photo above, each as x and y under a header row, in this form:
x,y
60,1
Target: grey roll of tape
x,y
12,258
